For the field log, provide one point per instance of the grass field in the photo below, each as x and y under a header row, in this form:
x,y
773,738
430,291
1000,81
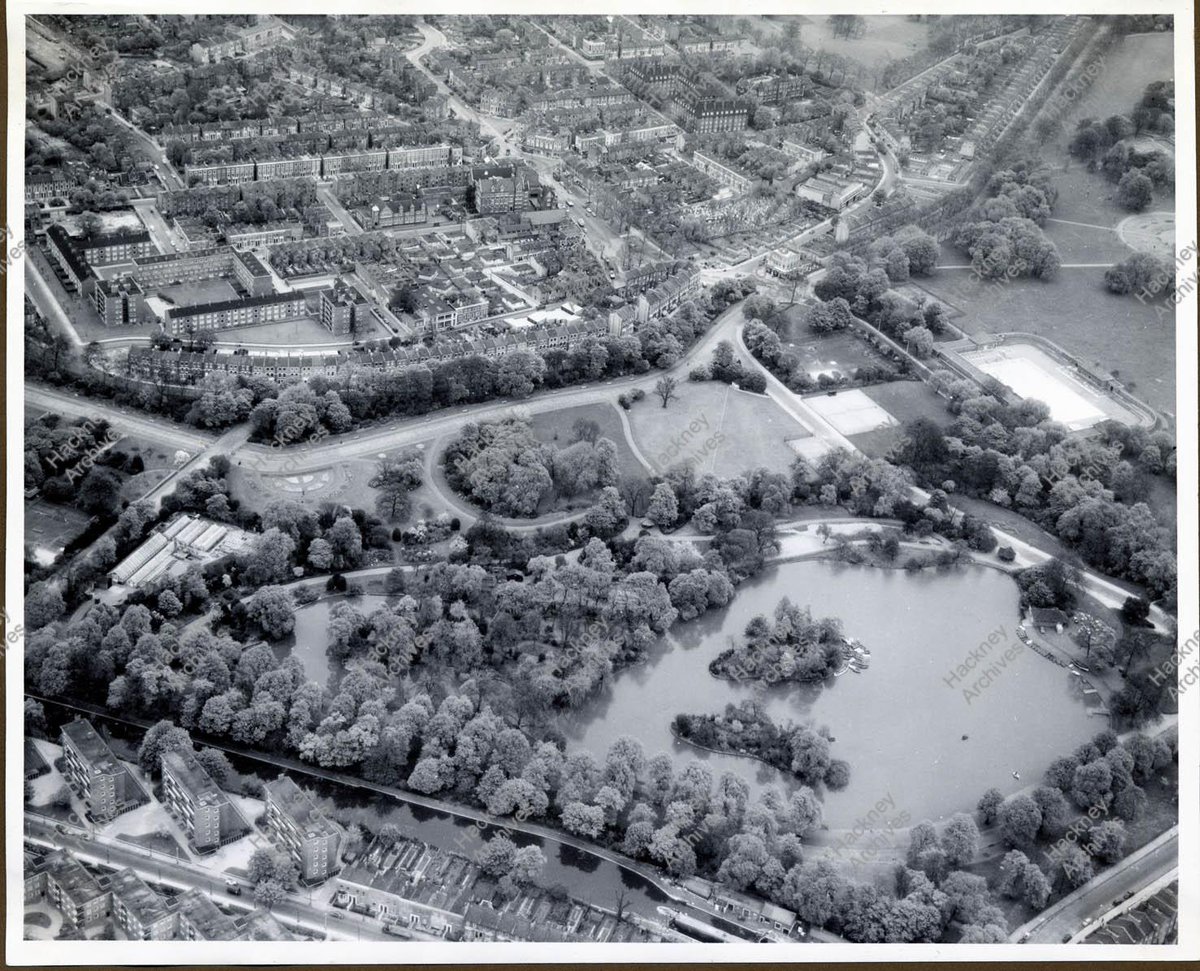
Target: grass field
x,y
344,483
905,401
556,427
49,527
717,429
1129,65
887,38
1130,339
826,353
1133,340
157,461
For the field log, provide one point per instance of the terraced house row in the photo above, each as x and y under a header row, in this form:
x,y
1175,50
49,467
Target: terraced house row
x,y
189,367
323,166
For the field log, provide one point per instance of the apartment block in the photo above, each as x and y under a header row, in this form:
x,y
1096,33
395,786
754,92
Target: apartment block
x,y
199,919
720,173
120,303
190,267
252,274
343,309
213,173
141,913
61,248
295,823
67,885
500,188
228,314
705,115
112,248
94,773
354,162
287,168
802,152
44,186
198,803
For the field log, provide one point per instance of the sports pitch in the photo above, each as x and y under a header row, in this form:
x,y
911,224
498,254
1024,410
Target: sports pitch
x,y
850,412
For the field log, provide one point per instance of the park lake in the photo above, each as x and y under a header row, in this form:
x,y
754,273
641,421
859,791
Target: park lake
x,y
899,723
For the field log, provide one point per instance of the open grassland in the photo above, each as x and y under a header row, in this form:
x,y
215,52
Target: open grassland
x,y
716,428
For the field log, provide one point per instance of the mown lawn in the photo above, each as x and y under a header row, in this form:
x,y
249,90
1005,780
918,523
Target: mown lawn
x,y
716,428
557,428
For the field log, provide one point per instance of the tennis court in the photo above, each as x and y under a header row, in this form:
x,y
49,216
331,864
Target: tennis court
x,y
850,412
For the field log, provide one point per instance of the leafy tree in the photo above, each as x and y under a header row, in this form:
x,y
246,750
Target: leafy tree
x,y
273,609
164,736
1019,819
1135,191
663,510
664,388
269,561
960,839
498,856
1106,841
43,605
216,764
989,805
395,477
269,893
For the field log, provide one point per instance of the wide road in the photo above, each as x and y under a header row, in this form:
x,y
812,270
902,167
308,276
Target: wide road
x,y
1068,917
39,398
157,867
153,151
154,221
408,432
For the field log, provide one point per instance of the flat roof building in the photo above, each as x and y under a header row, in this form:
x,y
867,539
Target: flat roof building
x,y
69,886
120,302
203,810
295,823
106,787
142,914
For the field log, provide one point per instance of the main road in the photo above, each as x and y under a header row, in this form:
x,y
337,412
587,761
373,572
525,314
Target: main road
x,y
153,150
298,910
1068,919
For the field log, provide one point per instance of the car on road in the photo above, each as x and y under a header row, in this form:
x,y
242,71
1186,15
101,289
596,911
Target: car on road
x,y
1066,937
233,887
59,827
337,915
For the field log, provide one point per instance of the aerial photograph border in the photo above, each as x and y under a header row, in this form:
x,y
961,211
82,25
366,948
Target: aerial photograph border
x,y
507,484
